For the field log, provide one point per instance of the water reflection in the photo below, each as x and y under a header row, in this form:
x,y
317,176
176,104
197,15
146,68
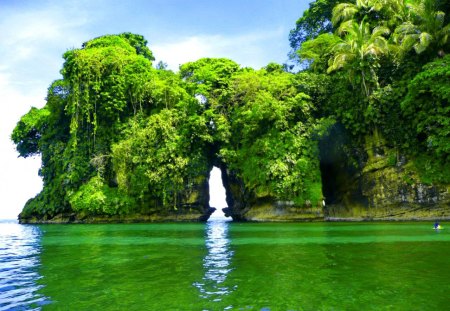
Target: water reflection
x,y
19,261
217,262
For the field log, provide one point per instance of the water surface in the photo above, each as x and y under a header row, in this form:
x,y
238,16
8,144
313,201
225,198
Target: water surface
x,y
225,266
19,264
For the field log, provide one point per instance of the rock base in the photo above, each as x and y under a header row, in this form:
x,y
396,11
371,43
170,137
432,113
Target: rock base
x,y
193,216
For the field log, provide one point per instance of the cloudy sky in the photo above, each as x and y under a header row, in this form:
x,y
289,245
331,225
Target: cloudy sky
x,y
35,33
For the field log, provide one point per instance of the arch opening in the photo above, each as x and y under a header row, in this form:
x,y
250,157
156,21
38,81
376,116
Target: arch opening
x,y
217,195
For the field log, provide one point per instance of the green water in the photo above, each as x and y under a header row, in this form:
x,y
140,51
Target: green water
x,y
245,266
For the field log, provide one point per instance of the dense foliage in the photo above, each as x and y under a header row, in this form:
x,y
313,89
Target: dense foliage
x,y
119,136
110,105
388,64
264,127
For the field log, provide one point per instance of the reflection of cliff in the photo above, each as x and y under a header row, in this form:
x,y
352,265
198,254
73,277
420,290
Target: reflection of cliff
x,y
217,262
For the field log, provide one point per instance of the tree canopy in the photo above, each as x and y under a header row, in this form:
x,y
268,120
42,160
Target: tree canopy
x,y
387,61
119,135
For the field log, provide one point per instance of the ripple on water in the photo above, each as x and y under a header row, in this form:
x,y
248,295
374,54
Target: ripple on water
x,y
216,263
19,261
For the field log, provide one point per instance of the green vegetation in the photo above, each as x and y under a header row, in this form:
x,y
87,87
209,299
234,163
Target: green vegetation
x,y
119,136
391,55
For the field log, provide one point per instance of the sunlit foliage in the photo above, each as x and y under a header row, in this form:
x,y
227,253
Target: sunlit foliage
x,y
374,51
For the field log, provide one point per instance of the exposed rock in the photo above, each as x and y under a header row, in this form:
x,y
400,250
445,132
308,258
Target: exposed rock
x,y
185,216
244,205
193,206
382,190
392,191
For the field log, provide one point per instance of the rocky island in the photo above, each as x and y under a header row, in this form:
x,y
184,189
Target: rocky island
x,y
125,140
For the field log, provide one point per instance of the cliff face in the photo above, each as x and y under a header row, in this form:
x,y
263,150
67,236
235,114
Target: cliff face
x,y
387,187
391,199
245,205
382,191
393,190
380,185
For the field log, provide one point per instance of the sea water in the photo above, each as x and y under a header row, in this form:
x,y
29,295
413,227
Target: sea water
x,y
220,265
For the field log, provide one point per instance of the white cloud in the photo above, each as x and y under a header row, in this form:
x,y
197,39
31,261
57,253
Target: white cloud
x,y
246,49
30,35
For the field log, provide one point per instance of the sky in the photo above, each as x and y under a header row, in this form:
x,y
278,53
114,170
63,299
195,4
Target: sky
x,y
35,33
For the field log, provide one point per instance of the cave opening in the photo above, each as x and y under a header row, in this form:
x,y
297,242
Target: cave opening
x,y
336,170
340,175
217,194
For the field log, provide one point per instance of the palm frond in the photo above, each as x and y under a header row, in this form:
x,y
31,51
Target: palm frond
x,y
343,12
380,31
340,61
406,28
346,27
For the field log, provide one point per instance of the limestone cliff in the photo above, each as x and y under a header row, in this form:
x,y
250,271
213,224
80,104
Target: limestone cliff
x,y
245,205
380,184
386,186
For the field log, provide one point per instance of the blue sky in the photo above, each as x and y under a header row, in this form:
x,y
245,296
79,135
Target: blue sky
x,y
34,35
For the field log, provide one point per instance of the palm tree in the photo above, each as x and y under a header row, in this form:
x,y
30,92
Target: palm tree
x,y
343,12
425,30
392,12
358,51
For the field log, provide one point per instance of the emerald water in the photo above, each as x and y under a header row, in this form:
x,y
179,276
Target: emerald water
x,y
225,266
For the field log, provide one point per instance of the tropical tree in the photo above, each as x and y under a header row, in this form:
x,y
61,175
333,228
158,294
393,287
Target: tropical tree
x,y
387,12
273,145
316,20
159,155
209,79
28,131
318,51
425,30
345,11
358,52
